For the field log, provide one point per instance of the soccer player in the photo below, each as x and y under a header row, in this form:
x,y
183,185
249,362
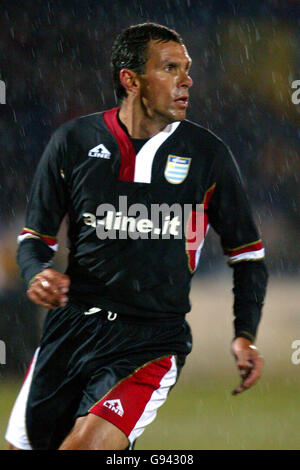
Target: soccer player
x,y
115,337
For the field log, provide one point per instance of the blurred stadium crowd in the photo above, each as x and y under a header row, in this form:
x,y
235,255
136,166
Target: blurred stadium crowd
x,y
54,59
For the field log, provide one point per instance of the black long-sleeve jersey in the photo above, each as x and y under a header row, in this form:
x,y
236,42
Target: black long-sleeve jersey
x,y
123,257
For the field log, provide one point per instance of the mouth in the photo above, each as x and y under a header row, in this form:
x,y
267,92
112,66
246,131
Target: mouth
x,y
182,102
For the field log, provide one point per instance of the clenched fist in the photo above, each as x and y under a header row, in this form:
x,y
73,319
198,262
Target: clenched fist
x,y
49,289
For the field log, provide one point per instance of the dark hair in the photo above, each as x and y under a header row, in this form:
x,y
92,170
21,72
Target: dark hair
x,y
130,49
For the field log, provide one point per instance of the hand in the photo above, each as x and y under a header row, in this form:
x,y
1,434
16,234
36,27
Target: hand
x,y
249,362
49,289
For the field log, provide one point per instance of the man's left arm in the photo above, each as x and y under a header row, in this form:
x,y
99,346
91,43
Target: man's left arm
x,y
250,281
230,215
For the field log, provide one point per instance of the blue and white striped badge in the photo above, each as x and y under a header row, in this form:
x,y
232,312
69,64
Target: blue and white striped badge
x,y
177,169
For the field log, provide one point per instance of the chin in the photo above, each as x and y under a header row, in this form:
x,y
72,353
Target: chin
x,y
173,116
177,116
180,116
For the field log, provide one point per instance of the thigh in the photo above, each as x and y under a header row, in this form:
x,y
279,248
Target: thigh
x,y
94,433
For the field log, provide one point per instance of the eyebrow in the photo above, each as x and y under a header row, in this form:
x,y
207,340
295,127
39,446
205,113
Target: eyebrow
x,y
172,61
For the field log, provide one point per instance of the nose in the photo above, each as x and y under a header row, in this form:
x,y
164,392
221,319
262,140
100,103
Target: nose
x,y
186,80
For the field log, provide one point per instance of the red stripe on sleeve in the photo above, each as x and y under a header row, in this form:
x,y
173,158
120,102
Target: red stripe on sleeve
x,y
245,249
208,196
191,230
51,241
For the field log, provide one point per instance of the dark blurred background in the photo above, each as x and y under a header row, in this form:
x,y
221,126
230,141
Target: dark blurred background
x,y
55,62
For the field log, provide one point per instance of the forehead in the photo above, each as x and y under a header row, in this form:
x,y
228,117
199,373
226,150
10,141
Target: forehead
x,y
159,52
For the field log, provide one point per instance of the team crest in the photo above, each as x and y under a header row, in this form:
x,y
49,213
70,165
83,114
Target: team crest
x,y
177,169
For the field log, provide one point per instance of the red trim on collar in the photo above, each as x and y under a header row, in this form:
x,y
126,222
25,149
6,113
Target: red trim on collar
x,y
128,154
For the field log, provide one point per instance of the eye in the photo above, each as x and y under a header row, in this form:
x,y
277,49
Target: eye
x,y
170,67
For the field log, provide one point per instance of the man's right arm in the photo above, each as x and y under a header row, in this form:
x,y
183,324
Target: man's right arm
x,y
37,242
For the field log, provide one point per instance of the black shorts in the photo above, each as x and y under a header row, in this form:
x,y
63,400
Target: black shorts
x,y
114,369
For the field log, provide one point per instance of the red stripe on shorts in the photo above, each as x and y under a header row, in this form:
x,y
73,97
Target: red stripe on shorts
x,y
28,370
125,403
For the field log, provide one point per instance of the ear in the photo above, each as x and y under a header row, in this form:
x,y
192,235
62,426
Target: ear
x,y
130,81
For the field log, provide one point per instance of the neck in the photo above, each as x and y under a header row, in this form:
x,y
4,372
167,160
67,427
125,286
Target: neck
x,y
139,124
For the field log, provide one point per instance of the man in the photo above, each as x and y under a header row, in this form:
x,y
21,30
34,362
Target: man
x,y
115,337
